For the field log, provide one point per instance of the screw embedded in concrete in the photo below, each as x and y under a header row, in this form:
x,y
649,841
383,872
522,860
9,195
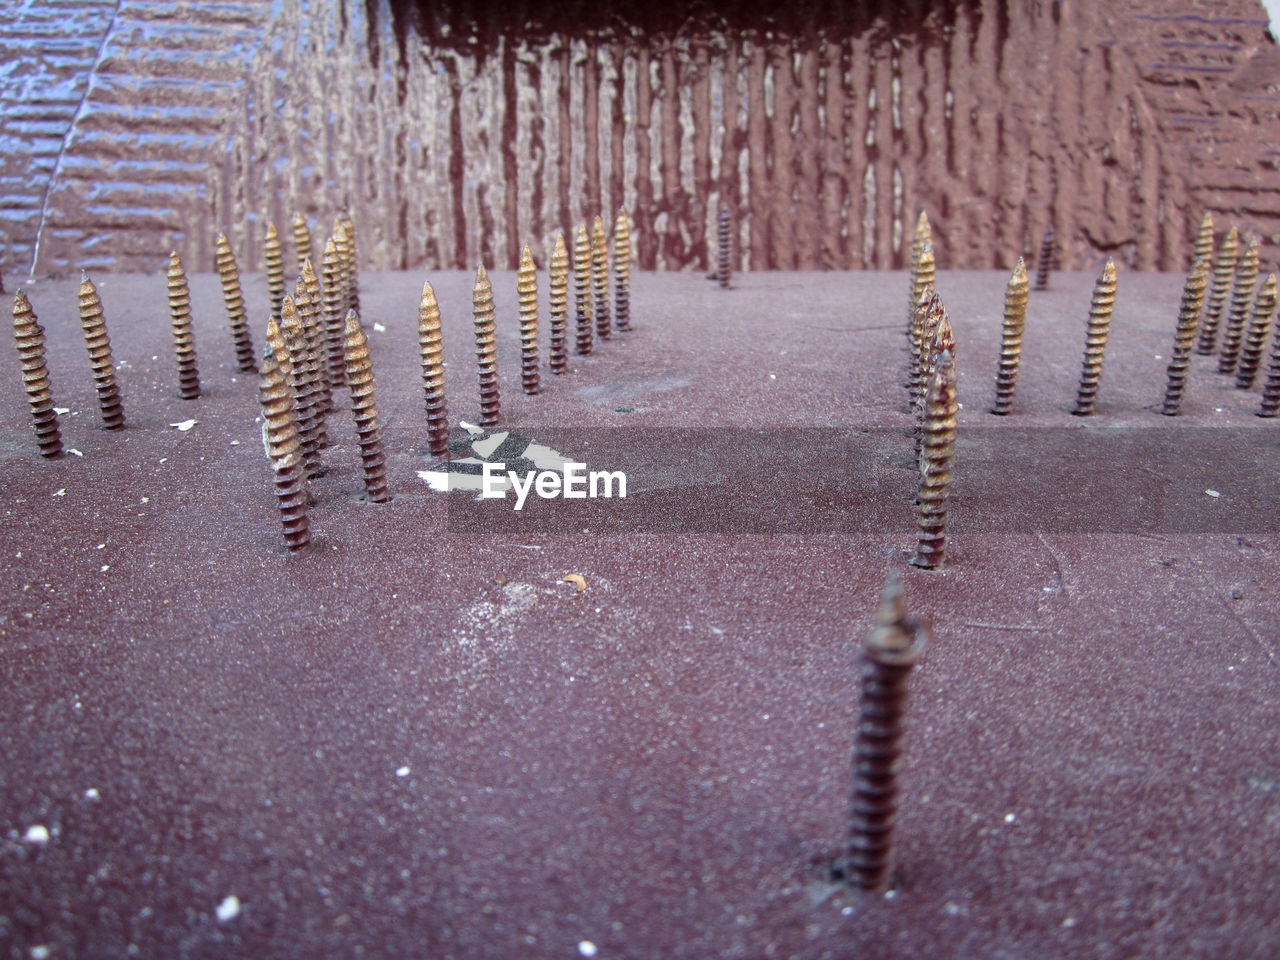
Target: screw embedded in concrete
x,y
1204,240
184,338
724,239
1241,295
348,248
301,381
1224,269
600,279
1045,263
936,452
923,275
1256,337
309,299
486,347
273,256
334,313
924,324
1184,338
1095,345
364,410
1271,386
35,376
527,292
233,298
301,239
889,653
280,436
104,369
1015,321
622,270
922,238
581,278
559,301
431,347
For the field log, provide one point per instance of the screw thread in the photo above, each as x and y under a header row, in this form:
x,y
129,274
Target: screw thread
x,y
1184,337
527,293
309,298
301,381
559,304
347,248
301,239
1045,261
35,376
486,347
622,270
1095,343
1271,386
1241,295
103,365
600,279
1204,240
1015,321
937,449
922,236
280,437
184,338
334,314
273,256
233,299
1256,336
1224,269
581,297
929,310
724,241
364,410
431,347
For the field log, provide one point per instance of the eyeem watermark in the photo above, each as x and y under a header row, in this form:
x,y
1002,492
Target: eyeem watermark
x,y
572,482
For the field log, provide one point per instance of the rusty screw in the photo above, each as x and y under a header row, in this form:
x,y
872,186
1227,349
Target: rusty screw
x,y
1100,306
334,313
184,338
233,298
1184,338
309,299
1015,321
600,279
559,300
280,436
301,239
622,270
724,239
527,293
1271,386
1204,240
352,265
486,347
938,449
1255,339
889,654
1224,269
581,296
1045,263
925,324
431,347
299,371
273,256
35,376
364,410
94,326
1241,295
922,290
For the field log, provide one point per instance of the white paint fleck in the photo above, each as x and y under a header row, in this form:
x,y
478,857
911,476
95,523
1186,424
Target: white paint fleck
x,y
60,411
1212,493
402,772
235,443
105,568
1010,817
92,794
378,328
74,452
101,546
37,833
184,425
773,376
587,948
228,909
61,493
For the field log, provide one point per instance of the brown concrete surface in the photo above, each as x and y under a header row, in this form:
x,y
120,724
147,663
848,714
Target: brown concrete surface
x,y
418,741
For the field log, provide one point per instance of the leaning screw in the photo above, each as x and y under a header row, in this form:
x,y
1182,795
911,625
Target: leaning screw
x,y
364,410
301,381
1015,321
622,270
559,300
938,448
35,376
94,326
1259,324
334,313
431,347
1224,269
184,338
233,298
280,436
486,347
527,293
1241,295
1184,338
1100,306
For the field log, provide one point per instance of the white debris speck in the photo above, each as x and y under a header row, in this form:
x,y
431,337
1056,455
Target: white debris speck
x,y
379,328
952,909
1215,410
37,833
61,493
1212,493
92,794
40,952
586,948
235,443
184,425
1010,817
145,500
105,568
163,460
74,452
61,410
100,546
228,909
846,911
773,376
402,772
1069,922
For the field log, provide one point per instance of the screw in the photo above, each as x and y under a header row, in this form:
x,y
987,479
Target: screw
x,y
581,276
35,376
600,279
364,410
889,653
1045,263
923,235
1271,386
622,270
724,238
1241,294
1184,338
1259,325
334,313
1015,321
300,371
350,268
233,297
1095,344
280,435
922,238
559,299
527,292
431,346
184,338
309,300
273,254
922,292
929,310
1204,240
1224,269
301,239
104,369
938,447
486,347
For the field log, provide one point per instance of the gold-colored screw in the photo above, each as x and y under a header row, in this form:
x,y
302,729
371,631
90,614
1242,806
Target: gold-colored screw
x,y
1256,337
1224,270
922,289
233,298
924,322
527,292
94,326
1204,240
301,239
302,382
939,447
1271,386
1045,263
273,256
622,270
280,436
581,296
35,376
941,340
1015,321
342,243
486,347
431,346
559,300
1184,338
600,279
364,410
335,314
184,338
353,263
1241,295
724,239
309,299
1095,344
923,237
